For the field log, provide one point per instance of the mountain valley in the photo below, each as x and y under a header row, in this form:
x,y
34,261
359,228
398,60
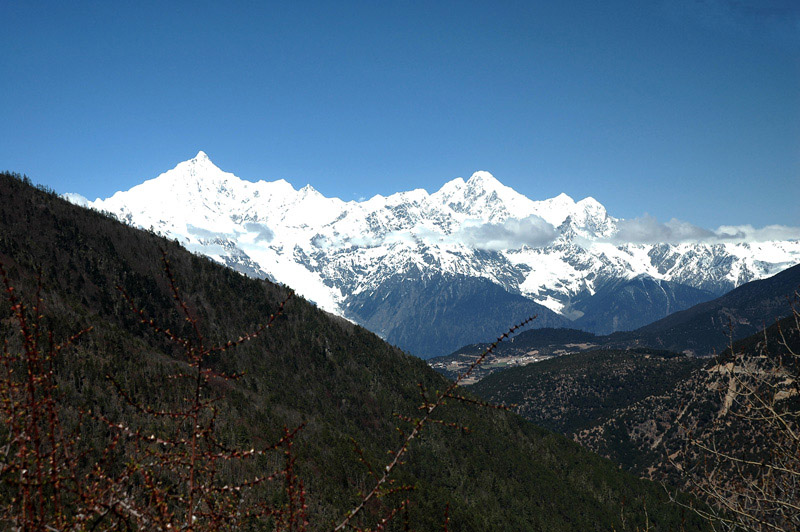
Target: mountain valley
x,y
703,330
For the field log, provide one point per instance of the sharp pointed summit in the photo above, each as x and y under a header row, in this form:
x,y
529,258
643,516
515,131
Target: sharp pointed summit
x,y
199,168
201,160
484,179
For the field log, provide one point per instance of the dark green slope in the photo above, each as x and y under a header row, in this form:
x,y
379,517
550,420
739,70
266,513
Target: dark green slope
x,y
574,392
644,432
633,406
339,379
707,328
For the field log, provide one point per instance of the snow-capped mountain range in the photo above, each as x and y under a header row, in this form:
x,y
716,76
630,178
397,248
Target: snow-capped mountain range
x,y
555,252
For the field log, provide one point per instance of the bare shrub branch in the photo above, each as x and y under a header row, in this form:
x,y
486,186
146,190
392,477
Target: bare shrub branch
x,y
747,465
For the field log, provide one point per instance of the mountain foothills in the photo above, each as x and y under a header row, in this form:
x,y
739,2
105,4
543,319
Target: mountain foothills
x,y
712,404
338,381
481,250
723,426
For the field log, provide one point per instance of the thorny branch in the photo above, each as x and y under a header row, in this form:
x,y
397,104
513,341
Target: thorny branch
x,y
429,408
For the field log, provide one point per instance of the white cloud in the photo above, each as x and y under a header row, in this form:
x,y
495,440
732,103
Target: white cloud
x,y
514,233
748,233
648,230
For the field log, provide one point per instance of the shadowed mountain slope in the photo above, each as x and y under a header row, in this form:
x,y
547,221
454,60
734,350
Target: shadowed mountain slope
x,y
702,330
452,308
636,406
338,378
708,327
629,304
572,392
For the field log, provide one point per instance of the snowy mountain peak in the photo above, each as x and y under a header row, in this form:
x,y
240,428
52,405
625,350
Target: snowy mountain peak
x,y
199,171
201,160
564,199
448,190
199,165
484,180
590,219
418,195
483,196
553,251
485,184
590,204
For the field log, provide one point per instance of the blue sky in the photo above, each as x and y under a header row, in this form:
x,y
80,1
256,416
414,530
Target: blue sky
x,y
683,108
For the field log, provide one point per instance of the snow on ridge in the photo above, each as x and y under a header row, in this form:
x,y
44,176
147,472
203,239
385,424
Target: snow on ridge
x,y
327,249
76,199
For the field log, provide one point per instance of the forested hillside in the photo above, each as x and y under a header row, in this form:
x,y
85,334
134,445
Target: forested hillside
x,y
573,392
338,381
723,427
